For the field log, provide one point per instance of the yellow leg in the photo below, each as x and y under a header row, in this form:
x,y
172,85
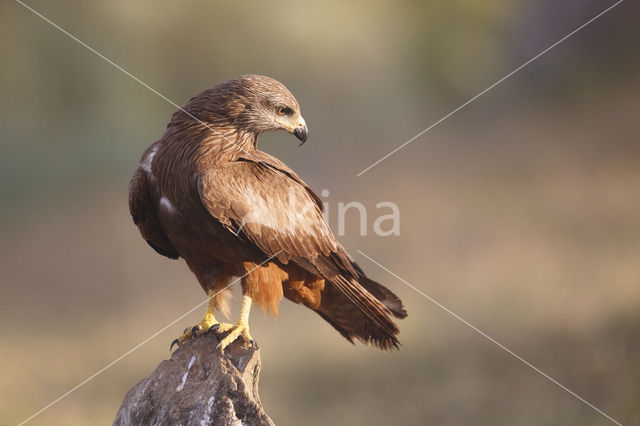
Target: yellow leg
x,y
239,329
203,326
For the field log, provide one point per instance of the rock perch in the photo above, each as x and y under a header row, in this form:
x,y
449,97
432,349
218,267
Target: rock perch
x,y
199,386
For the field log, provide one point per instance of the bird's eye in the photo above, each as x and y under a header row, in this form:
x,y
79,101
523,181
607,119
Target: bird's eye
x,y
283,110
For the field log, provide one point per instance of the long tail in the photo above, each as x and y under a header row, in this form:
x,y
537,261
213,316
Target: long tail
x,y
363,310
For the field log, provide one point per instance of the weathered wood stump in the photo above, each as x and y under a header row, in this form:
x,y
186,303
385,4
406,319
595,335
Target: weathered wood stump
x,y
199,386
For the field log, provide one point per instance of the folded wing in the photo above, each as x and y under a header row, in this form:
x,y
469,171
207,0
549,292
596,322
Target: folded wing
x,y
258,198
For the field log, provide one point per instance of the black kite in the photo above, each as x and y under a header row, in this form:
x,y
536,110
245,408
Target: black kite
x,y
204,192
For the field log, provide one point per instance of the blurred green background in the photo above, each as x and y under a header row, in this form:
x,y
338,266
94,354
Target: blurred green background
x,y
521,213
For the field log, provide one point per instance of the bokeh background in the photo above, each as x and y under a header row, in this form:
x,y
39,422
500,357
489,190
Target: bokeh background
x,y
521,212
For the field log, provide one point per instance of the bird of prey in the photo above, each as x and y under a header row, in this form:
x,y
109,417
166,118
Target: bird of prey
x,y
204,192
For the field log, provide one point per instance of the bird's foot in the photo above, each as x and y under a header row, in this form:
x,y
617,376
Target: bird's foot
x,y
237,330
201,328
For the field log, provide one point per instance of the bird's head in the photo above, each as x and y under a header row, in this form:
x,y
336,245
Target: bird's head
x,y
252,104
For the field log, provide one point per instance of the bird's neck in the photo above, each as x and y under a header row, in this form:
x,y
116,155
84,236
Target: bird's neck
x,y
199,139
231,141
247,141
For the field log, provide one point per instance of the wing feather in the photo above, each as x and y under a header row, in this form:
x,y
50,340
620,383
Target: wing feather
x,y
275,210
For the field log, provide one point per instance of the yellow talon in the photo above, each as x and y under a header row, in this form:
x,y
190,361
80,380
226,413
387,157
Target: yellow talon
x,y
203,326
240,329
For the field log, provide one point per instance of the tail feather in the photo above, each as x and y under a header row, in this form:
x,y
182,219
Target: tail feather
x,y
358,312
384,295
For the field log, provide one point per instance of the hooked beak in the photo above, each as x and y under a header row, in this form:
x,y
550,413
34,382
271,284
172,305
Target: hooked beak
x,y
296,126
301,132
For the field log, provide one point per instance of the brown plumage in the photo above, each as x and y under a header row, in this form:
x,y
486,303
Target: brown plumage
x,y
204,192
